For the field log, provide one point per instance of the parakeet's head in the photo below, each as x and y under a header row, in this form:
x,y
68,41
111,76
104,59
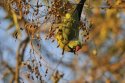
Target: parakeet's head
x,y
75,45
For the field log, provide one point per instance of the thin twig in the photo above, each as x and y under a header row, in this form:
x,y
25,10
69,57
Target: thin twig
x,y
19,57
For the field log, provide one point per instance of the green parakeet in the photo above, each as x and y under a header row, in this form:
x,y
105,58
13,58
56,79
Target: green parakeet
x,y
68,33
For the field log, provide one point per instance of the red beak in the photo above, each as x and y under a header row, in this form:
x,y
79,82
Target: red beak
x,y
77,48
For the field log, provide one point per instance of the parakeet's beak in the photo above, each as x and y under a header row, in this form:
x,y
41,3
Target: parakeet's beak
x,y
77,48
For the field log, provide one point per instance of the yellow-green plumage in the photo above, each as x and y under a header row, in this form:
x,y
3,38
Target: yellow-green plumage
x,y
67,34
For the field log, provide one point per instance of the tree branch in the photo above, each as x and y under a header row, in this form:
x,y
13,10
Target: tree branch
x,y
19,57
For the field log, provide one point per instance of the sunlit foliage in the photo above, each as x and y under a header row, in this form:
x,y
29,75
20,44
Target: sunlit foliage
x,y
99,31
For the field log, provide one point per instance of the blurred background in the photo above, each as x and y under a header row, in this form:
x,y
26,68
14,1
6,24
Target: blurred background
x,y
38,60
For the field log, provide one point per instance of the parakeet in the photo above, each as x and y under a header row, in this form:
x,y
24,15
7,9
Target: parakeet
x,y
67,34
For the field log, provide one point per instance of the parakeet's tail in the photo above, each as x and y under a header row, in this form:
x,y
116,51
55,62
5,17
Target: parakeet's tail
x,y
79,8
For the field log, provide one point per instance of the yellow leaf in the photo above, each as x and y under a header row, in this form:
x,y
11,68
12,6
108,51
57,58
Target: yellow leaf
x,y
68,16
